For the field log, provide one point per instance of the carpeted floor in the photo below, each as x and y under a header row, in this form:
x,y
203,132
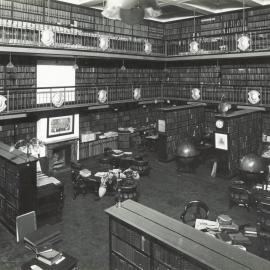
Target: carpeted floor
x,y
85,225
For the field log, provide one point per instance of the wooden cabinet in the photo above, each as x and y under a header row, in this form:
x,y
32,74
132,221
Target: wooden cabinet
x,y
144,239
17,185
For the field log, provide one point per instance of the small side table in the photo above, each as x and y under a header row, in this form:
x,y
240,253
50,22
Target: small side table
x,y
69,263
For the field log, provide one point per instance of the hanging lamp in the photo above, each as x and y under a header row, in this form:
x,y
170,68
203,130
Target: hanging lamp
x,y
243,42
194,45
75,66
219,72
123,67
10,65
131,11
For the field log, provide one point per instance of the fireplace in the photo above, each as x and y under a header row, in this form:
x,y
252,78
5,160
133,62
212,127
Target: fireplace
x,y
61,154
61,157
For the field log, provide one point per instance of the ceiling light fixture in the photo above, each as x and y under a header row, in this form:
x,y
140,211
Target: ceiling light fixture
x,y
10,65
244,40
75,66
131,11
194,45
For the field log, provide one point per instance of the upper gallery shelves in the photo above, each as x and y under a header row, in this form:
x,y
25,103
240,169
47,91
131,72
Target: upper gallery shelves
x,y
60,29
172,10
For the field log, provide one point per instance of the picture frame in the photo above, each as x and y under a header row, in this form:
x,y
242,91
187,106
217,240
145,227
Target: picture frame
x,y
59,126
221,141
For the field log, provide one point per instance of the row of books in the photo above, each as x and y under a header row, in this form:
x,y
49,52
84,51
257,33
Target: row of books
x,y
167,257
130,236
118,263
130,253
97,147
60,17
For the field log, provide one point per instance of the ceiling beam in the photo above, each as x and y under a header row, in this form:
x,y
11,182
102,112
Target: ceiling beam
x,y
184,4
90,2
249,3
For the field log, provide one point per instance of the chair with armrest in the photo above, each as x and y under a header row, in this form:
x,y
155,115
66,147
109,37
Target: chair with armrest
x,y
239,195
141,166
193,210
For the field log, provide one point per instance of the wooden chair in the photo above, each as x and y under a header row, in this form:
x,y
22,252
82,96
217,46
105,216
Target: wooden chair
x,y
193,210
239,195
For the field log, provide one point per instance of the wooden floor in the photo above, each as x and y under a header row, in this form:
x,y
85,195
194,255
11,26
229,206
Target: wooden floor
x,y
85,225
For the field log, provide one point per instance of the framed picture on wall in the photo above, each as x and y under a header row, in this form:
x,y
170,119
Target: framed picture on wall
x,y
221,141
59,126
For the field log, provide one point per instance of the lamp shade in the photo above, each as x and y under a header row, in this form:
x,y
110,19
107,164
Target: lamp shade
x,y
252,163
132,16
187,149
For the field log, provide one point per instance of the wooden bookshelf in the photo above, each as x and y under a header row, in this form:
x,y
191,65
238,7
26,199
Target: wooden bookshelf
x,y
17,185
175,124
242,131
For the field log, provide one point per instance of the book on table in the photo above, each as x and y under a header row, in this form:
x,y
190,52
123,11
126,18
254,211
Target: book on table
x,y
50,256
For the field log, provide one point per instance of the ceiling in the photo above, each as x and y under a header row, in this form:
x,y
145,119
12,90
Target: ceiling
x,y
182,9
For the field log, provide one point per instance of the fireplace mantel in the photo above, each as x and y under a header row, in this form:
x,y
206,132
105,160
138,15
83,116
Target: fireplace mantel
x,y
62,141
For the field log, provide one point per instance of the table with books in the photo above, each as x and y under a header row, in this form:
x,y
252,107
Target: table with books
x,y
226,230
42,242
63,261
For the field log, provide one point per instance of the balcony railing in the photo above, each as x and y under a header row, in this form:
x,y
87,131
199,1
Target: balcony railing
x,y
28,34
259,41
39,99
16,32
210,93
32,99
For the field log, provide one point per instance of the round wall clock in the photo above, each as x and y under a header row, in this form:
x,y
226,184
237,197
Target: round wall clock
x,y
3,104
102,96
47,37
243,43
219,123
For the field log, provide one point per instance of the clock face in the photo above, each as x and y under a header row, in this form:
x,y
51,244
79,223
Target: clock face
x,y
219,123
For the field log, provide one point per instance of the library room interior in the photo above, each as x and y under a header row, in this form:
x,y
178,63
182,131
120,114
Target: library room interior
x,y
135,134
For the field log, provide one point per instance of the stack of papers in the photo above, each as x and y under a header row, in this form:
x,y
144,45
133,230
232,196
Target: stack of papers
x,y
204,224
